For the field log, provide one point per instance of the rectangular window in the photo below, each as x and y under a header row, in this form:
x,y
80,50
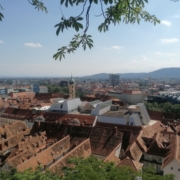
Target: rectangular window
x,y
171,168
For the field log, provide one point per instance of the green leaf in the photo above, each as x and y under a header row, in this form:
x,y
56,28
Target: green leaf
x,y
60,28
80,25
76,26
1,16
39,5
62,1
79,19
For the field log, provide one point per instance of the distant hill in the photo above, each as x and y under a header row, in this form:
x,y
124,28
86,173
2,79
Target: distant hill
x,y
160,73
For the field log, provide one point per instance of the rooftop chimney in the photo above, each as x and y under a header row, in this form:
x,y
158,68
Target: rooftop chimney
x,y
115,129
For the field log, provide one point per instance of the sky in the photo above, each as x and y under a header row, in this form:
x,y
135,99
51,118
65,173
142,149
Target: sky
x,y
28,41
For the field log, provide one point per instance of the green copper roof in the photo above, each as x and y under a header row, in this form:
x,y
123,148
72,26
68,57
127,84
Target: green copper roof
x,y
71,81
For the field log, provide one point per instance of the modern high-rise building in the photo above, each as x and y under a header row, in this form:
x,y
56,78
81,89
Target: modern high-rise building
x,y
39,89
113,79
35,88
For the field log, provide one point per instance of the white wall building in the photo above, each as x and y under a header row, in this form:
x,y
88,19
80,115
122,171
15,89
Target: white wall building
x,y
43,89
173,168
130,96
136,115
101,108
65,106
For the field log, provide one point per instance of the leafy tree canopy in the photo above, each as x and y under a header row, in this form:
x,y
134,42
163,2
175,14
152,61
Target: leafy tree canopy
x,y
163,107
112,11
86,169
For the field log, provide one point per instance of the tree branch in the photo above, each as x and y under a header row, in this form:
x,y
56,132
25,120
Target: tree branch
x,y
83,9
30,2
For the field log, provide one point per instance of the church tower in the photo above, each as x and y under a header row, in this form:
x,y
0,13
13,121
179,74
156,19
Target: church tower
x,y
72,90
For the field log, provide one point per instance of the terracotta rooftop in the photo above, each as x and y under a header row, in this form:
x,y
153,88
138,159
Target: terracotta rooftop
x,y
15,113
150,130
112,157
37,141
12,129
119,113
161,144
1,103
48,156
11,142
173,145
82,150
48,96
105,140
78,134
135,165
71,119
101,97
132,92
121,127
134,151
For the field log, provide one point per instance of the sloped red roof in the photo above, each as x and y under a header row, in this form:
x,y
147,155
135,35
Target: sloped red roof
x,y
135,165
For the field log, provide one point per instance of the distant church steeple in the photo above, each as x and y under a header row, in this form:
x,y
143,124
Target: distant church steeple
x,y
72,90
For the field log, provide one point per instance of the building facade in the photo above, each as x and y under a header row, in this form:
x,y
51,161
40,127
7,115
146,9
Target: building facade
x,y
113,79
128,96
35,88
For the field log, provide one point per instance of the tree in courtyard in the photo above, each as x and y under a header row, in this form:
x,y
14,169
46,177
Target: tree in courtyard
x,y
86,169
112,11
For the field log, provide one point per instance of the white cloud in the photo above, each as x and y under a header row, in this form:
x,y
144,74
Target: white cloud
x,y
34,45
166,23
116,47
168,41
158,53
170,54
1,42
176,16
112,47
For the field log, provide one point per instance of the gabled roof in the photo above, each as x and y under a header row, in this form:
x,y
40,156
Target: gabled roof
x,y
158,147
66,118
174,150
82,150
134,151
112,157
150,130
1,103
15,113
12,129
105,140
12,141
47,156
135,165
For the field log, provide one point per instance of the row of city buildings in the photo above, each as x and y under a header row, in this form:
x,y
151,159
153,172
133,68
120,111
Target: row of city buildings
x,y
127,137
46,129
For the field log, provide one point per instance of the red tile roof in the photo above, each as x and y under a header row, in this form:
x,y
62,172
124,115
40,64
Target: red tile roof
x,y
82,150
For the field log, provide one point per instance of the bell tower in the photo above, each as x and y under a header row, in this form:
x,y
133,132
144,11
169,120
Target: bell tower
x,y
72,90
